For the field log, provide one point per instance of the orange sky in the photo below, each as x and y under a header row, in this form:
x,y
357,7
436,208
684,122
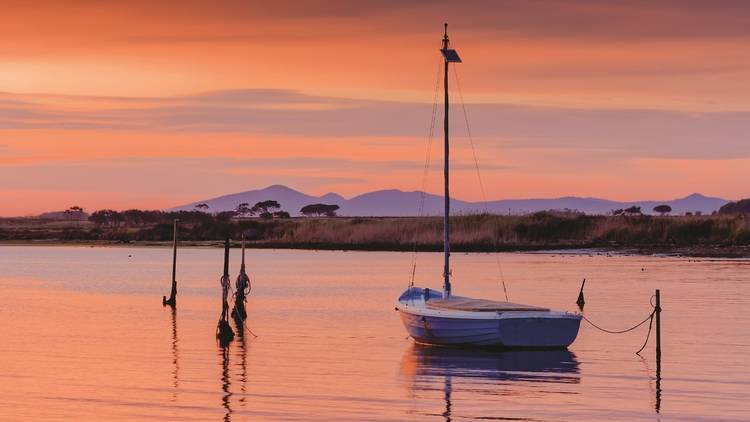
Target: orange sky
x,y
153,104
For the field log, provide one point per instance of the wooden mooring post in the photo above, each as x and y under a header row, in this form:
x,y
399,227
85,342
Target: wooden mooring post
x,y
172,301
224,332
658,326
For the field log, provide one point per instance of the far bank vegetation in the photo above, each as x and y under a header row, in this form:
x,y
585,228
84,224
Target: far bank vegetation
x,y
482,232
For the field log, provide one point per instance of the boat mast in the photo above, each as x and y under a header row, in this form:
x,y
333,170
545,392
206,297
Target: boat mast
x,y
450,56
446,212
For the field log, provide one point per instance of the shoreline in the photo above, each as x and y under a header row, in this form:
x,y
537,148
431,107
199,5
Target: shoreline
x,y
699,251
722,236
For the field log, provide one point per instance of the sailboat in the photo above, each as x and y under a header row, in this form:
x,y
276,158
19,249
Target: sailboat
x,y
441,318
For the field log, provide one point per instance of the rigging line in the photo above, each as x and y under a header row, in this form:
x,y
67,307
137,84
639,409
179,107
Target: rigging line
x,y
479,173
471,138
425,171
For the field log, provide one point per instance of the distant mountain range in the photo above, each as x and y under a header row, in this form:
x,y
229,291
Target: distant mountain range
x,y
396,203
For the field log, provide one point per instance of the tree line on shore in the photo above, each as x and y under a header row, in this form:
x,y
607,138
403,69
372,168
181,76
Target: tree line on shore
x,y
271,209
156,225
731,226
266,210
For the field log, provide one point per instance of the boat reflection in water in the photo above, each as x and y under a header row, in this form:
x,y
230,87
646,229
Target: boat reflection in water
x,y
484,372
559,366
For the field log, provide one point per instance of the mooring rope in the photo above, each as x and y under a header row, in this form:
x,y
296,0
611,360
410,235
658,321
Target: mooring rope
x,y
649,318
621,331
244,325
650,324
230,293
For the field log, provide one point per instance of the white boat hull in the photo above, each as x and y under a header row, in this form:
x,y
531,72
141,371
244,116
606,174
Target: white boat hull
x,y
515,329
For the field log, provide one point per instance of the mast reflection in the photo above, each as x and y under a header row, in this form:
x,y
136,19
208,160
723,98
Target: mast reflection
x,y
448,389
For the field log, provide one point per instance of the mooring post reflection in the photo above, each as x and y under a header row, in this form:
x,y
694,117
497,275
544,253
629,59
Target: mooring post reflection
x,y
430,368
225,382
236,372
657,405
658,350
243,360
175,353
654,383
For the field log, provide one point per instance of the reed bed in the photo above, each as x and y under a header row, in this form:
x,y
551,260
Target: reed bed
x,y
482,232
540,230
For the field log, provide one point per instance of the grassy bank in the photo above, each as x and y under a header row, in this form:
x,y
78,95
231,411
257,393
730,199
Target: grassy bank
x,y
681,234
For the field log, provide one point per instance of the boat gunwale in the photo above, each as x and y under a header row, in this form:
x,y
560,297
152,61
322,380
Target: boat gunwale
x,y
412,301
496,315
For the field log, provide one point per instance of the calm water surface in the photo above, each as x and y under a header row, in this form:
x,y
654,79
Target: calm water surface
x,y
83,335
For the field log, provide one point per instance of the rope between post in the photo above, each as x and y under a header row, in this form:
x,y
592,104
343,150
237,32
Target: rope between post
x,y
649,318
650,324
622,331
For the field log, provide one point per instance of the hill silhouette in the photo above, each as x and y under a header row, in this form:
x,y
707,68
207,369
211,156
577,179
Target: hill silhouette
x,y
398,203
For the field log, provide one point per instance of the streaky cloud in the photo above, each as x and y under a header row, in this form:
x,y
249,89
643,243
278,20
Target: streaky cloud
x,y
639,133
